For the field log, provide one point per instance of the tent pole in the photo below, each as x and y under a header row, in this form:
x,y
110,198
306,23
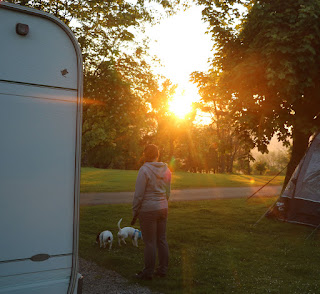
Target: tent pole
x,y
266,212
316,228
267,182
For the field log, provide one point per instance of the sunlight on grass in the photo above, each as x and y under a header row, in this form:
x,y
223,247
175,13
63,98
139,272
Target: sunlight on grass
x,y
104,180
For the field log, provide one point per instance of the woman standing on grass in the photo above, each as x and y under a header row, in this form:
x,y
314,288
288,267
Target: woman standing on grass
x,y
150,205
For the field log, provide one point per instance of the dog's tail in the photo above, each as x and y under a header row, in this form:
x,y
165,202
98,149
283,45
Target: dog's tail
x,y
119,223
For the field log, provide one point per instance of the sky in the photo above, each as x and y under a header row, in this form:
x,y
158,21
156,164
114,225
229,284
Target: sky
x,y
182,45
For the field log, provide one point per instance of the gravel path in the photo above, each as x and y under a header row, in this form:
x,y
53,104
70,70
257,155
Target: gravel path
x,y
98,280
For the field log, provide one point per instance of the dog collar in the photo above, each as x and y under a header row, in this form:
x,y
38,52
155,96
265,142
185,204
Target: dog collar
x,y
139,233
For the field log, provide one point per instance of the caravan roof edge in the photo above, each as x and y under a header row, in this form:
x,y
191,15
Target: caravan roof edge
x,y
48,16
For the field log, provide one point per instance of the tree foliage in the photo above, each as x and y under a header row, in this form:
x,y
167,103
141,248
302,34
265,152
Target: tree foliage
x,y
113,118
266,68
118,81
275,161
227,147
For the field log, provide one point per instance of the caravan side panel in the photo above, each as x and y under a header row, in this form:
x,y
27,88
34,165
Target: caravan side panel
x,y
40,127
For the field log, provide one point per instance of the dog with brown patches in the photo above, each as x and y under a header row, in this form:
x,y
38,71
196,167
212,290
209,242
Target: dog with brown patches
x,y
105,238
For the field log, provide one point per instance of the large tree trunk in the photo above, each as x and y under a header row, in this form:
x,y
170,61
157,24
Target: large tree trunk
x,y
299,146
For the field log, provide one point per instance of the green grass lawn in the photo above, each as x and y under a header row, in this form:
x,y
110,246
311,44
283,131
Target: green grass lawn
x,y
213,248
110,180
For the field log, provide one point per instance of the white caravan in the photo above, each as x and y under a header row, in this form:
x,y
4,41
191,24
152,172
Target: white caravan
x,y
40,133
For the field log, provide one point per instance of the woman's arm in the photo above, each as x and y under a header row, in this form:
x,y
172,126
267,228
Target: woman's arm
x,y
140,188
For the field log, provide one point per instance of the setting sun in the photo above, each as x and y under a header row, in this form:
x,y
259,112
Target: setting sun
x,y
181,104
179,107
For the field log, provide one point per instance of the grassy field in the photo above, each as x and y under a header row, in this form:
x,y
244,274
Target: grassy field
x,y
110,180
213,248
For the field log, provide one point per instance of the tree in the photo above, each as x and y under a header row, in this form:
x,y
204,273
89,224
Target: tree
x,y
114,117
267,69
227,146
261,167
118,82
166,127
276,161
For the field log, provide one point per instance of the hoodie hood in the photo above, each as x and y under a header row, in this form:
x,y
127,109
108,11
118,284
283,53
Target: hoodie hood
x,y
159,169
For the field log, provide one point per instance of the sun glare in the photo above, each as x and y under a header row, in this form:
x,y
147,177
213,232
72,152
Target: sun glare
x,y
179,107
181,104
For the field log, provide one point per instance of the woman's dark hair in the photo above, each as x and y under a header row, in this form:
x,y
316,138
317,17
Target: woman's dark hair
x,y
150,153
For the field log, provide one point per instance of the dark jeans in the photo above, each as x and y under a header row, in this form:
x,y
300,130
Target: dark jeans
x,y
153,227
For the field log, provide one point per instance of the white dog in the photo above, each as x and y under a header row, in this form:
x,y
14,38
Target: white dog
x,y
127,232
105,238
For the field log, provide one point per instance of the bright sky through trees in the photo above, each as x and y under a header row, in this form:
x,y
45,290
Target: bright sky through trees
x,y
183,47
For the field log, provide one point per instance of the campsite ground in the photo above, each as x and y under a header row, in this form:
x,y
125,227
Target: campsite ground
x,y
111,180
214,248
185,194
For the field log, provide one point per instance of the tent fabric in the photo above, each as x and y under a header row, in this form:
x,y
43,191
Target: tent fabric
x,y
300,201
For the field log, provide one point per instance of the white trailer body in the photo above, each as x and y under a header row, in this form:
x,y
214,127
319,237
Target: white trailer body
x,y
40,133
